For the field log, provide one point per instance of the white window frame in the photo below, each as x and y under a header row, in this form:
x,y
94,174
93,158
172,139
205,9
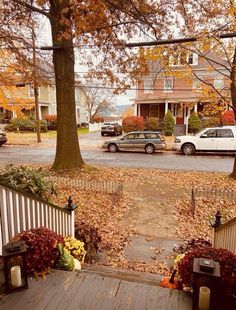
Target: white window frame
x,y
219,83
167,87
197,85
194,57
31,91
148,85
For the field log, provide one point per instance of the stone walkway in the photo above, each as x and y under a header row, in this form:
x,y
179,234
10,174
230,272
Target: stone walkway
x,y
153,221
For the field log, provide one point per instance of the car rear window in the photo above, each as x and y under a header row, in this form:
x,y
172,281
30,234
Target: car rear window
x,y
151,136
225,133
139,136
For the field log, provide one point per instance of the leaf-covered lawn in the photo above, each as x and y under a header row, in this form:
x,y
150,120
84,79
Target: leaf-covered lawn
x,y
118,221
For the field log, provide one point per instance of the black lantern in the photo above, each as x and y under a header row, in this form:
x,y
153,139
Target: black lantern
x,y
14,262
206,274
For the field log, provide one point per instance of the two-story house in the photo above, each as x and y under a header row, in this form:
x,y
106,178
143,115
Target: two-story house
x,y
184,87
21,97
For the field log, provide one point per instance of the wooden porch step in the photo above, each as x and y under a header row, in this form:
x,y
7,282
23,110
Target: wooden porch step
x,y
91,290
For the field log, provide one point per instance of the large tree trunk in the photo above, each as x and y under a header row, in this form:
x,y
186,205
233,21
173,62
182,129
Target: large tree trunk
x,y
68,154
233,98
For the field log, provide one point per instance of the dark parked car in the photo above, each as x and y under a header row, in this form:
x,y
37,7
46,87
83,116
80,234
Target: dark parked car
x,y
111,129
148,141
3,137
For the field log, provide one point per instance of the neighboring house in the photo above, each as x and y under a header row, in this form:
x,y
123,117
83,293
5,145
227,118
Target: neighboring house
x,y
47,103
179,90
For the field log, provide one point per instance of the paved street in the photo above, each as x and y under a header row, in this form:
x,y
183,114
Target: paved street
x,y
165,160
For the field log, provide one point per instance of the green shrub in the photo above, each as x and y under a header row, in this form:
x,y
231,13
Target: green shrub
x,y
210,122
43,126
194,123
24,124
153,124
132,123
168,124
27,180
228,118
51,121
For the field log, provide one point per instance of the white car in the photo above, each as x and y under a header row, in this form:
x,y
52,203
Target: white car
x,y
217,139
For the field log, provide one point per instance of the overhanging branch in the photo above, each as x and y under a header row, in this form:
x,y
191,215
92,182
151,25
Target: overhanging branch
x,y
32,8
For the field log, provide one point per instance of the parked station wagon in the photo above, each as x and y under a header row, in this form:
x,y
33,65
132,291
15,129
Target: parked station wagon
x,y
148,141
217,139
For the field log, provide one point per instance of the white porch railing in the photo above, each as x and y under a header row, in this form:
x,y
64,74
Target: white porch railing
x,y
225,236
20,212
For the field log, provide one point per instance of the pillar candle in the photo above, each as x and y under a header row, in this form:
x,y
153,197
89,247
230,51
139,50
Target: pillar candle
x,y
204,298
16,276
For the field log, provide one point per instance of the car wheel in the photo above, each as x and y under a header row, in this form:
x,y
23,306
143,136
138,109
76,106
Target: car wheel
x,y
102,134
149,149
188,149
112,148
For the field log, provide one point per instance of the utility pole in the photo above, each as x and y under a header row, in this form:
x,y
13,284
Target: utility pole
x,y
36,89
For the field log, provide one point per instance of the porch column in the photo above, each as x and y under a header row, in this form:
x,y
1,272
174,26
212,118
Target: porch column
x,y
40,112
138,110
13,114
166,106
195,108
135,109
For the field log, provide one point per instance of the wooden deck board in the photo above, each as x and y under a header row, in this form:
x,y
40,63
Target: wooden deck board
x,y
87,290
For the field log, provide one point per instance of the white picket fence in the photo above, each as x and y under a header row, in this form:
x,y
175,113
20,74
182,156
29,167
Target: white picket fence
x,y
20,212
225,236
95,127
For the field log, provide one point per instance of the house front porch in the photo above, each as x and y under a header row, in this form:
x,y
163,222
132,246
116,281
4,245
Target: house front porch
x,y
96,288
181,110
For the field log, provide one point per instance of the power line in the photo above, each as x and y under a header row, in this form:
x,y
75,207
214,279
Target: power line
x,y
127,45
150,89
175,41
165,91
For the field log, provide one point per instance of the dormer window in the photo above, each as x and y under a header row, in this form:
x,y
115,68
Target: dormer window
x,y
184,58
190,58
